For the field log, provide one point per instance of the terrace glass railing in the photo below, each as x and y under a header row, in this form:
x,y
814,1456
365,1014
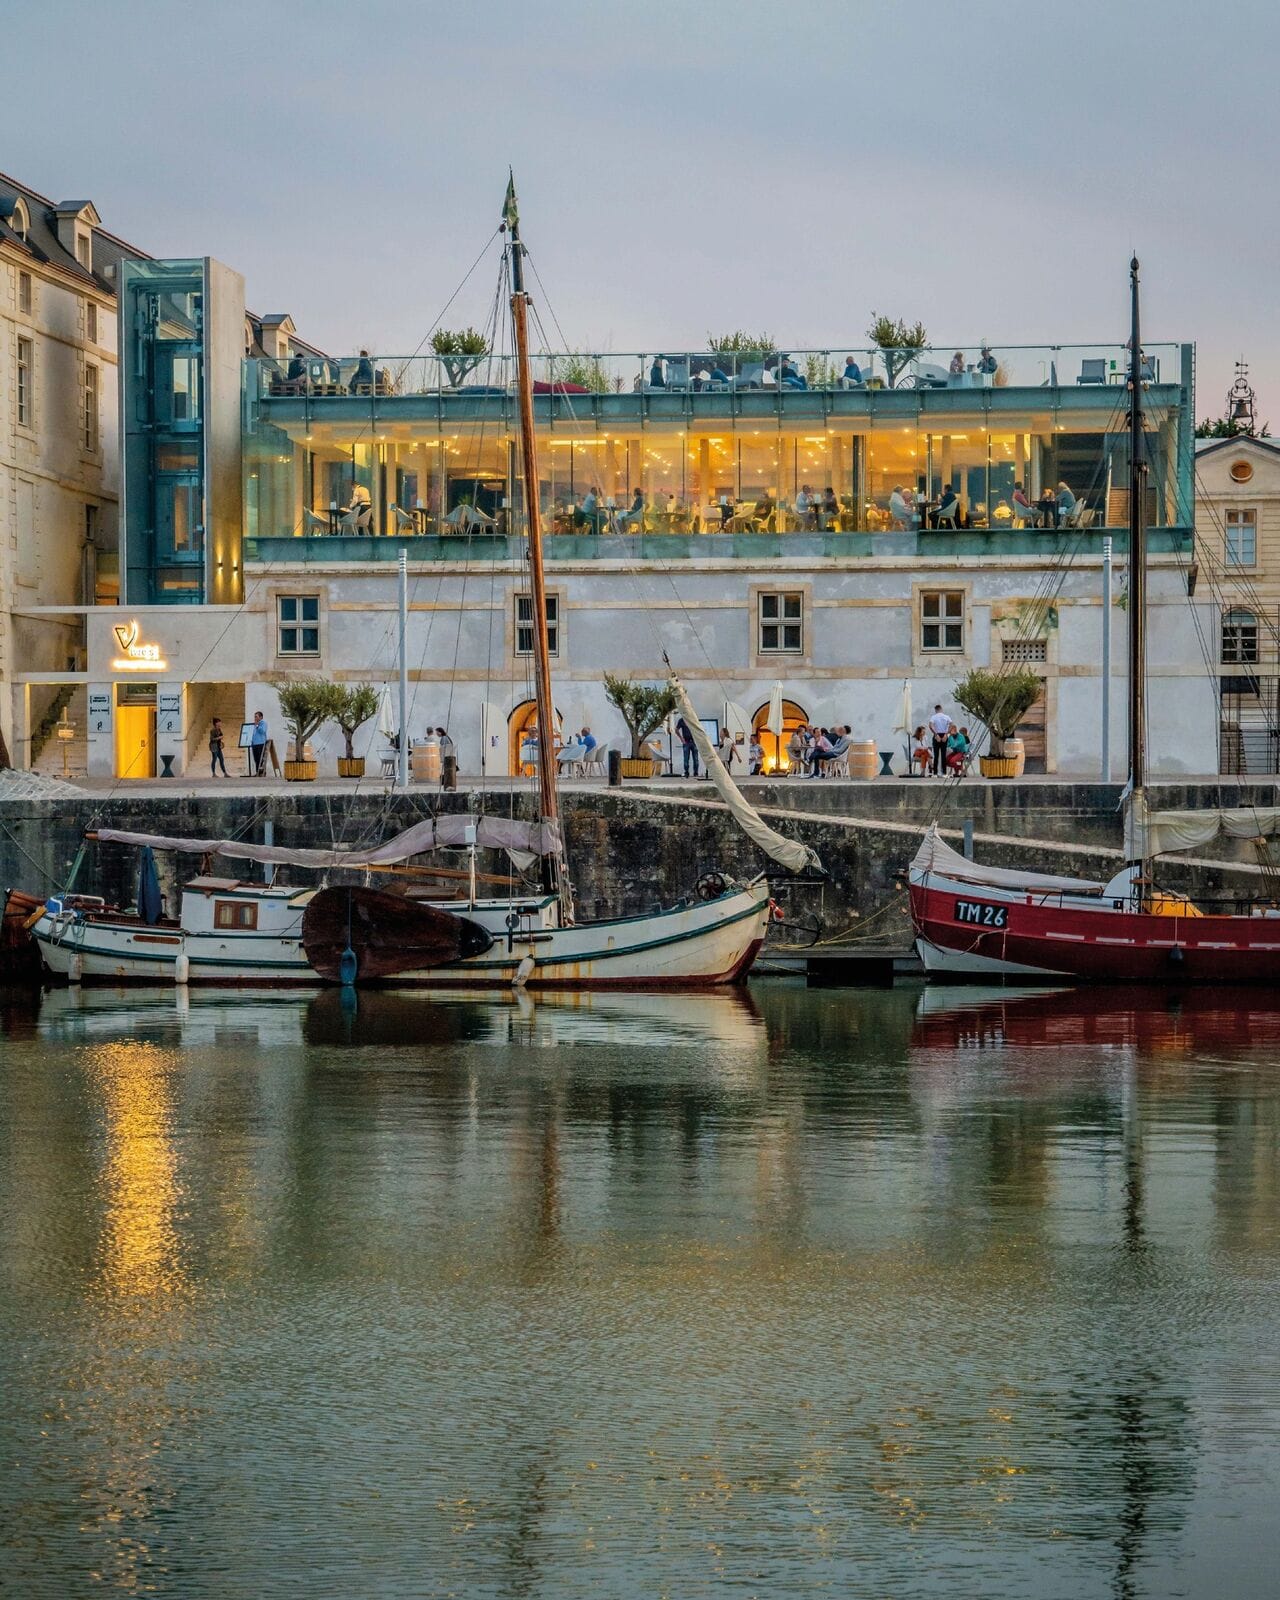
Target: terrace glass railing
x,y
670,372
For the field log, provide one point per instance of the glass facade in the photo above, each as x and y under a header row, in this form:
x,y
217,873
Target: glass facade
x,y
997,448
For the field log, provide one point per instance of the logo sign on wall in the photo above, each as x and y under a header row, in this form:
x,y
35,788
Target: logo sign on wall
x,y
100,712
134,655
169,712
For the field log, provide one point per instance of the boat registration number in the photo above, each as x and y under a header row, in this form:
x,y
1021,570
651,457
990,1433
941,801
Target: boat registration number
x,y
982,913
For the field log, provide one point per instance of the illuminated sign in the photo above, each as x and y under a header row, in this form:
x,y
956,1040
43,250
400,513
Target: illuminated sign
x,y
135,657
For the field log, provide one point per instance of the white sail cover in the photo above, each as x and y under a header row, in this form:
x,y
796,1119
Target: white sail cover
x,y
789,853
935,856
1157,833
436,833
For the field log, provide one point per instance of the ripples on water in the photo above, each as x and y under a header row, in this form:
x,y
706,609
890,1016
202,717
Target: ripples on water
x,y
884,1293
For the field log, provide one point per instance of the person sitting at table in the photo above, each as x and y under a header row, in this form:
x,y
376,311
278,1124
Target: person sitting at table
x,y
921,756
362,377
805,505
718,374
830,508
656,378
634,515
297,369
358,516
588,513
948,511
726,513
1047,505
1067,503
852,371
987,362
956,368
588,741
902,508
1023,510
764,508
957,749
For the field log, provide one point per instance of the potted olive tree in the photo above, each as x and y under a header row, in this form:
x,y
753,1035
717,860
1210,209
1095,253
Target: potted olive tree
x,y
999,700
644,707
306,704
356,703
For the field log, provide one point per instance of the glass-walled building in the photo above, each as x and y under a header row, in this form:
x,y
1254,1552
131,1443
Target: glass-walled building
x,y
993,446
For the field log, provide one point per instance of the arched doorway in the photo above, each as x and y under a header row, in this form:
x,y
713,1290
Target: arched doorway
x,y
520,724
794,716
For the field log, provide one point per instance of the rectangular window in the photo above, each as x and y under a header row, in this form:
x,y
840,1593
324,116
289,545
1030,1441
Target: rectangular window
x,y
1242,538
942,619
524,625
298,619
24,383
82,249
91,321
24,293
1240,638
91,408
781,619
235,914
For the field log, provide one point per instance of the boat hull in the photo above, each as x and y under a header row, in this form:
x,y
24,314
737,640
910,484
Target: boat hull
x,y
693,946
974,933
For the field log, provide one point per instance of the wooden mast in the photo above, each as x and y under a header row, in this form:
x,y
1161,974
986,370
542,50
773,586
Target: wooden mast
x,y
555,878
1137,569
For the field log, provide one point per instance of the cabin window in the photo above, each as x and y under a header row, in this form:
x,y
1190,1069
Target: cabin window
x,y
298,617
1242,538
942,619
524,625
235,914
1239,638
781,622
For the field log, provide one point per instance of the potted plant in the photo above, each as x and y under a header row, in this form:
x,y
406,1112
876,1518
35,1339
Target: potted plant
x,y
644,707
999,700
356,703
306,704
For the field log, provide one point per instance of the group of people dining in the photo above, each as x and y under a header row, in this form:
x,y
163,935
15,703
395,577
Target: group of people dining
x,y
814,751
908,510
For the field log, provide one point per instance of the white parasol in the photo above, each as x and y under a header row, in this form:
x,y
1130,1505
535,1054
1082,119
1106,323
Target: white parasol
x,y
386,716
774,722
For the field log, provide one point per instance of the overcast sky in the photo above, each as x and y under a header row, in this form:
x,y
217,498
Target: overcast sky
x,y
685,165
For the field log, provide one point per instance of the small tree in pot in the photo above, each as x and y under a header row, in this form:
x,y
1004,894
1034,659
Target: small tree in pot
x,y
357,702
644,707
306,704
999,700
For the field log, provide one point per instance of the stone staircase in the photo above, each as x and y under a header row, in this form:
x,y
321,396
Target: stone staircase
x,y
46,747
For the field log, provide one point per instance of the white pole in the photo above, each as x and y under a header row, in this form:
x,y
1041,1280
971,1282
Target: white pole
x,y
1106,660
402,774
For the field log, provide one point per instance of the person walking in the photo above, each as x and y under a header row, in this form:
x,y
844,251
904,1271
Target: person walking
x,y
258,745
216,757
688,747
939,726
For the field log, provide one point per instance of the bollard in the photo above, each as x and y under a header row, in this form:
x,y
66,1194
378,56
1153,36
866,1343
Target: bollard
x,y
615,769
449,772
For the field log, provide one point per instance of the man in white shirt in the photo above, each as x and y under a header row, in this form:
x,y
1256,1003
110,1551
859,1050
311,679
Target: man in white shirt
x,y
939,727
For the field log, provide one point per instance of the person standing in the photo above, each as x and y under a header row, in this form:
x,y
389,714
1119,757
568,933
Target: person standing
x,y
688,746
216,757
940,727
728,749
258,745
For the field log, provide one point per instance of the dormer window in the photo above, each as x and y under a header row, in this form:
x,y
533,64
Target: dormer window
x,y
82,251
20,221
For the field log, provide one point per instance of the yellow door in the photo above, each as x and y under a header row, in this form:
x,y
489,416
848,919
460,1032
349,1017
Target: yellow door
x,y
135,741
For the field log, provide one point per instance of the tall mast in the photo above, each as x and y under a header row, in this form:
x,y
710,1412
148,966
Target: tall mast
x,y
1137,560
554,875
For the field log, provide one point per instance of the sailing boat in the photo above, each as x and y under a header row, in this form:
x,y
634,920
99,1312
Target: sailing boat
x,y
974,921
236,932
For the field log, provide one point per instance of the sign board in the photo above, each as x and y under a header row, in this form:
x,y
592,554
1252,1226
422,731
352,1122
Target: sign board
x,y
169,712
100,711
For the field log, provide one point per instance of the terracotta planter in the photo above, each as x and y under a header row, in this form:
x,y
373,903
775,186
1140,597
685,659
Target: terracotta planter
x,y
643,768
351,769
998,766
300,771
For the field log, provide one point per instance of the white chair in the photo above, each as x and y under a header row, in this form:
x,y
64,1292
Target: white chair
x,y
359,519
595,762
311,523
403,521
950,517
839,768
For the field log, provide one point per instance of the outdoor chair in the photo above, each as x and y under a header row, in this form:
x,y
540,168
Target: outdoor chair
x,y
950,518
403,521
595,762
1092,371
838,768
358,520
312,523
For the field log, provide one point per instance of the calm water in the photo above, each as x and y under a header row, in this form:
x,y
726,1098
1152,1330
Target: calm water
x,y
849,1292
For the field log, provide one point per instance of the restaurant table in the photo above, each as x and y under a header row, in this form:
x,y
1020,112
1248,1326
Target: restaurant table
x,y
1048,510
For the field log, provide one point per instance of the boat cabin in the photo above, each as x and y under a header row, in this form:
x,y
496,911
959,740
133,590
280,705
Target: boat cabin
x,y
228,905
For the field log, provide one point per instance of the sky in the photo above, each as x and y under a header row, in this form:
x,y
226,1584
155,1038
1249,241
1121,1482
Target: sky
x,y
685,166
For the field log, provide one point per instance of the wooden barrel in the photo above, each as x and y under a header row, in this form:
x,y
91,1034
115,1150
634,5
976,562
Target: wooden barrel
x,y
424,760
1014,750
863,760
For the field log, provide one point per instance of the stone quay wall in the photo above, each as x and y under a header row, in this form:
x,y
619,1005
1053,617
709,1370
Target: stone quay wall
x,y
631,849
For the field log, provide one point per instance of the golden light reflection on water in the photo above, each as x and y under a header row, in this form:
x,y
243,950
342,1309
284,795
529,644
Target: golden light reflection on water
x,y
140,1248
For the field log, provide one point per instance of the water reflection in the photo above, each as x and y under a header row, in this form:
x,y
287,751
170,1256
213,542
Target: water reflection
x,y
891,1292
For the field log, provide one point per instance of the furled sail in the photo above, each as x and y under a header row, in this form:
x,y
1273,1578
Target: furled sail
x,y
1157,833
934,855
789,853
436,833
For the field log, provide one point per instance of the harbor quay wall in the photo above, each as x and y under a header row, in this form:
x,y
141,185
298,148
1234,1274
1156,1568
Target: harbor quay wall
x,y
630,850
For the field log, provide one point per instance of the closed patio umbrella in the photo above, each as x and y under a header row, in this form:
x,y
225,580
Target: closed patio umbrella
x,y
386,715
905,718
774,721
